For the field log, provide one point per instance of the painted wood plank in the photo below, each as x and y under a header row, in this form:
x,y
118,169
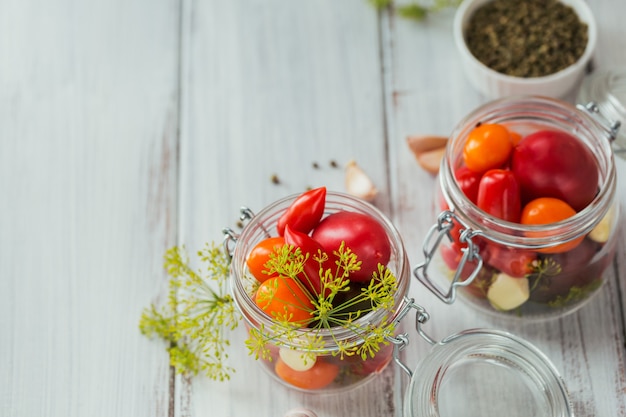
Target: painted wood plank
x,y
88,148
428,94
273,88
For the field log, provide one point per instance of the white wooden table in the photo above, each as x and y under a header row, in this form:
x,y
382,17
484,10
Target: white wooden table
x,y
127,127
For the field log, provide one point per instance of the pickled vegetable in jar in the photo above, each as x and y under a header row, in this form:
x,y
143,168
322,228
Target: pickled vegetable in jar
x,y
319,279
527,203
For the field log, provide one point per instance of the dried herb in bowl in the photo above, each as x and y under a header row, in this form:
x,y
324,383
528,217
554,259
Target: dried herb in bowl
x,y
527,38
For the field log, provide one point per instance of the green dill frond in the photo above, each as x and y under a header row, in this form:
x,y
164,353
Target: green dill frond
x,y
380,4
542,272
575,294
413,12
197,315
416,11
257,343
335,307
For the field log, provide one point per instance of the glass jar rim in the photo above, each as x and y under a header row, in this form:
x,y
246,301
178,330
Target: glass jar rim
x,y
531,236
255,316
494,349
607,89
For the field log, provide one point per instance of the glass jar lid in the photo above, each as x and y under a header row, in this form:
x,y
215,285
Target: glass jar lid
x,y
486,373
607,89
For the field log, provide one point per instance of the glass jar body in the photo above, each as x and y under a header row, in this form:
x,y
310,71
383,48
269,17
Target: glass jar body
x,y
314,359
486,373
539,270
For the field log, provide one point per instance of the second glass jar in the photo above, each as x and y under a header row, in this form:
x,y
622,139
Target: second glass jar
x,y
512,267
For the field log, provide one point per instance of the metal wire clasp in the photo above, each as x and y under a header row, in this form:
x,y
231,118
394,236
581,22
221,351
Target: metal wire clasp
x,y
445,223
611,126
230,236
401,341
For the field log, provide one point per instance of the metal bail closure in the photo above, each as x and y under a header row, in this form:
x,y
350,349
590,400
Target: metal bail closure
x,y
401,341
230,236
445,223
451,379
611,126
603,95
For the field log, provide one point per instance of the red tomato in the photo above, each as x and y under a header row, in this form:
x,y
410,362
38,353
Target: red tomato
x,y
487,146
499,195
548,210
283,299
468,181
451,255
260,254
372,364
311,274
556,164
305,212
576,270
363,235
513,262
318,377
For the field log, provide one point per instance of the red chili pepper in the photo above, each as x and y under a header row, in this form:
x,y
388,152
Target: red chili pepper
x,y
310,277
305,212
511,261
499,195
468,181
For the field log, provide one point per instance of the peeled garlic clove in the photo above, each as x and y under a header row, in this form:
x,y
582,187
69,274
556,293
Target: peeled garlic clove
x,y
507,292
358,183
297,360
602,231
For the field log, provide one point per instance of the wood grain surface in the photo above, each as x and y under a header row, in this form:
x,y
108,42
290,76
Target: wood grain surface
x,y
129,127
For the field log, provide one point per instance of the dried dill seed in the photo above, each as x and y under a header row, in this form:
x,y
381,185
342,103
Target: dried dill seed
x,y
333,163
316,165
239,224
275,179
526,38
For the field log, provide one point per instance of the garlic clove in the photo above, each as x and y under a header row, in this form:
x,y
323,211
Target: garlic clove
x,y
297,360
431,160
358,183
428,151
602,231
507,292
423,143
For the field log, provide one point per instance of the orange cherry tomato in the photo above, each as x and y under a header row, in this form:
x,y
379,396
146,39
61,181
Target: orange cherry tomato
x,y
318,377
282,298
487,146
515,137
547,210
260,254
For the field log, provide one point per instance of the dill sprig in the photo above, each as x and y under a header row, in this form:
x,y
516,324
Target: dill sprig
x,y
197,314
415,10
331,310
543,270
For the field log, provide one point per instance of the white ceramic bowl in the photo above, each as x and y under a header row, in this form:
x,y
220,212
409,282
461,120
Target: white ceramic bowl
x,y
494,84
